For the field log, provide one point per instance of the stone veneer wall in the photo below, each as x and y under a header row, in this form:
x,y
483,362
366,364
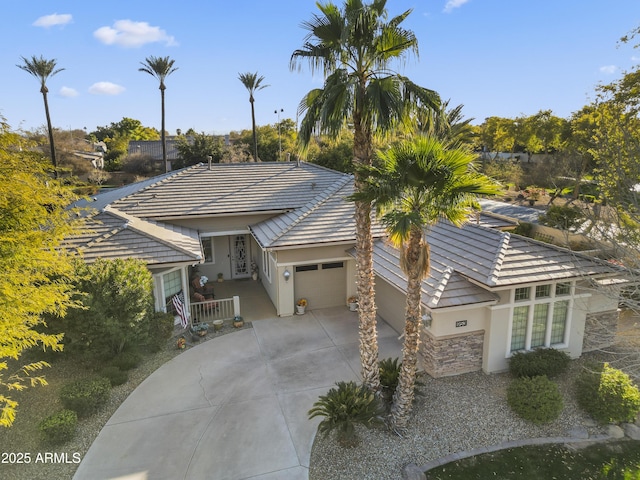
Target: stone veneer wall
x,y
452,355
599,330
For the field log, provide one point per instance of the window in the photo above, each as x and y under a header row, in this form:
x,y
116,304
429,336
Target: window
x,y
306,268
539,328
172,284
563,289
522,294
207,248
519,329
543,291
266,264
559,321
326,266
542,321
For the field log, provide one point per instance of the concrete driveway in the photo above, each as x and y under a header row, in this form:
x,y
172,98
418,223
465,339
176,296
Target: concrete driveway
x,y
234,407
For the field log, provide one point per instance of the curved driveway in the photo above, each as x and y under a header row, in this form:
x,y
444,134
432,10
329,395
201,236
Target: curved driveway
x,y
234,407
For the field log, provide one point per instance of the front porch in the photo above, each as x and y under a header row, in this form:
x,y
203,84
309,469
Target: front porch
x,y
254,303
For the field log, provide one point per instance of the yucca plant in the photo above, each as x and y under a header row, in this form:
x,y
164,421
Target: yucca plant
x,y
345,406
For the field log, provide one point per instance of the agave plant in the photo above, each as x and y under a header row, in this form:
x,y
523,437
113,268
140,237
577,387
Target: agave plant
x,y
345,406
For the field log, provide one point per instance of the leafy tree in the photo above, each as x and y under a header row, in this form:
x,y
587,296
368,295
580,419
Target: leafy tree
x,y
198,148
117,303
497,134
335,153
270,141
37,277
42,69
160,68
419,183
354,48
252,82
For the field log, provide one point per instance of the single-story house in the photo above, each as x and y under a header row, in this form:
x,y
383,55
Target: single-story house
x,y
489,293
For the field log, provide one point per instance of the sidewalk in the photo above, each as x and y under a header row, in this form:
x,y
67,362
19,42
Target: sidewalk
x,y
234,407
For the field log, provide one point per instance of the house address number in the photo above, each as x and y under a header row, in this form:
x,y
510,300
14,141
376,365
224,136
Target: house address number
x,y
461,323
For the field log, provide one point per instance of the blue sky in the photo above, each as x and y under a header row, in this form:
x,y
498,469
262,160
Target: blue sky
x,y
497,57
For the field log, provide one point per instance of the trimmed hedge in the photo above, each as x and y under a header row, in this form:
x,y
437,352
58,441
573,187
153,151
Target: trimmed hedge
x,y
59,427
542,361
535,399
607,394
85,396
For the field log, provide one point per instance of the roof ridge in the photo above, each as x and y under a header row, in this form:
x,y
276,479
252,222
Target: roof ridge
x,y
130,224
311,206
496,265
438,289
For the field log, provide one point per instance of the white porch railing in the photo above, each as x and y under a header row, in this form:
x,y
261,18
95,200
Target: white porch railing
x,y
218,309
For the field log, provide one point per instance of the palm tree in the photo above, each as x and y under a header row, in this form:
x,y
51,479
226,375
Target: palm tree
x,y
42,69
354,48
419,183
252,83
160,67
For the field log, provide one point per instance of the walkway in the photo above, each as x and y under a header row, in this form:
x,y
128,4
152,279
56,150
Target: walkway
x,y
234,407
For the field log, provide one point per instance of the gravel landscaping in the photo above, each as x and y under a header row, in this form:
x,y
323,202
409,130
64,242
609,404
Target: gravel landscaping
x,y
453,414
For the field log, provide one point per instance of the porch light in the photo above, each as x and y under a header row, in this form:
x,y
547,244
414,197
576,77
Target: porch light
x,y
286,274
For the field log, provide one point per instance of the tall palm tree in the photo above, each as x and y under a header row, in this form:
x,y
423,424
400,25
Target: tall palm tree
x,y
161,68
42,69
354,48
419,183
252,83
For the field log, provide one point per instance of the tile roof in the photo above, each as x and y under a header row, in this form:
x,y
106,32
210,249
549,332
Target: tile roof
x,y
443,288
465,259
112,234
496,258
326,218
229,189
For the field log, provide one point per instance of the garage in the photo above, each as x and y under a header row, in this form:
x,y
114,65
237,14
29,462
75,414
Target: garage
x,y
322,284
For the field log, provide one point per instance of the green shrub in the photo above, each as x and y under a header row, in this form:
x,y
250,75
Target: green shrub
x,y
344,407
59,427
85,396
607,394
126,360
535,399
542,361
115,375
389,374
160,330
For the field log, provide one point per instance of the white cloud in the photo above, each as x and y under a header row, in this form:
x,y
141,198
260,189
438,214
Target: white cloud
x,y
451,4
128,34
609,69
51,20
106,88
635,59
68,92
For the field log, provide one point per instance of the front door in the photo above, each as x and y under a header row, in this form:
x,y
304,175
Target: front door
x,y
240,255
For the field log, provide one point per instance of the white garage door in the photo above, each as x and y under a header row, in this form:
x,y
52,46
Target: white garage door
x,y
322,284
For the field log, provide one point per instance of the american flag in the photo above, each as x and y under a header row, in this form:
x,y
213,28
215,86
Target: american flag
x,y
178,303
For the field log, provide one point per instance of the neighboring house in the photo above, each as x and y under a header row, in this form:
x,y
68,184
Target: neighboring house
x,y
153,149
489,293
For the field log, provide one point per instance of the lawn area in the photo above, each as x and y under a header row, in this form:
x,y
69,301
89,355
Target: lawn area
x,y
612,460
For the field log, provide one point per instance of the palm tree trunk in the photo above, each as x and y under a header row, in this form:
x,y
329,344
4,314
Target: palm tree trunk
x,y
50,130
162,135
255,136
404,394
364,257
